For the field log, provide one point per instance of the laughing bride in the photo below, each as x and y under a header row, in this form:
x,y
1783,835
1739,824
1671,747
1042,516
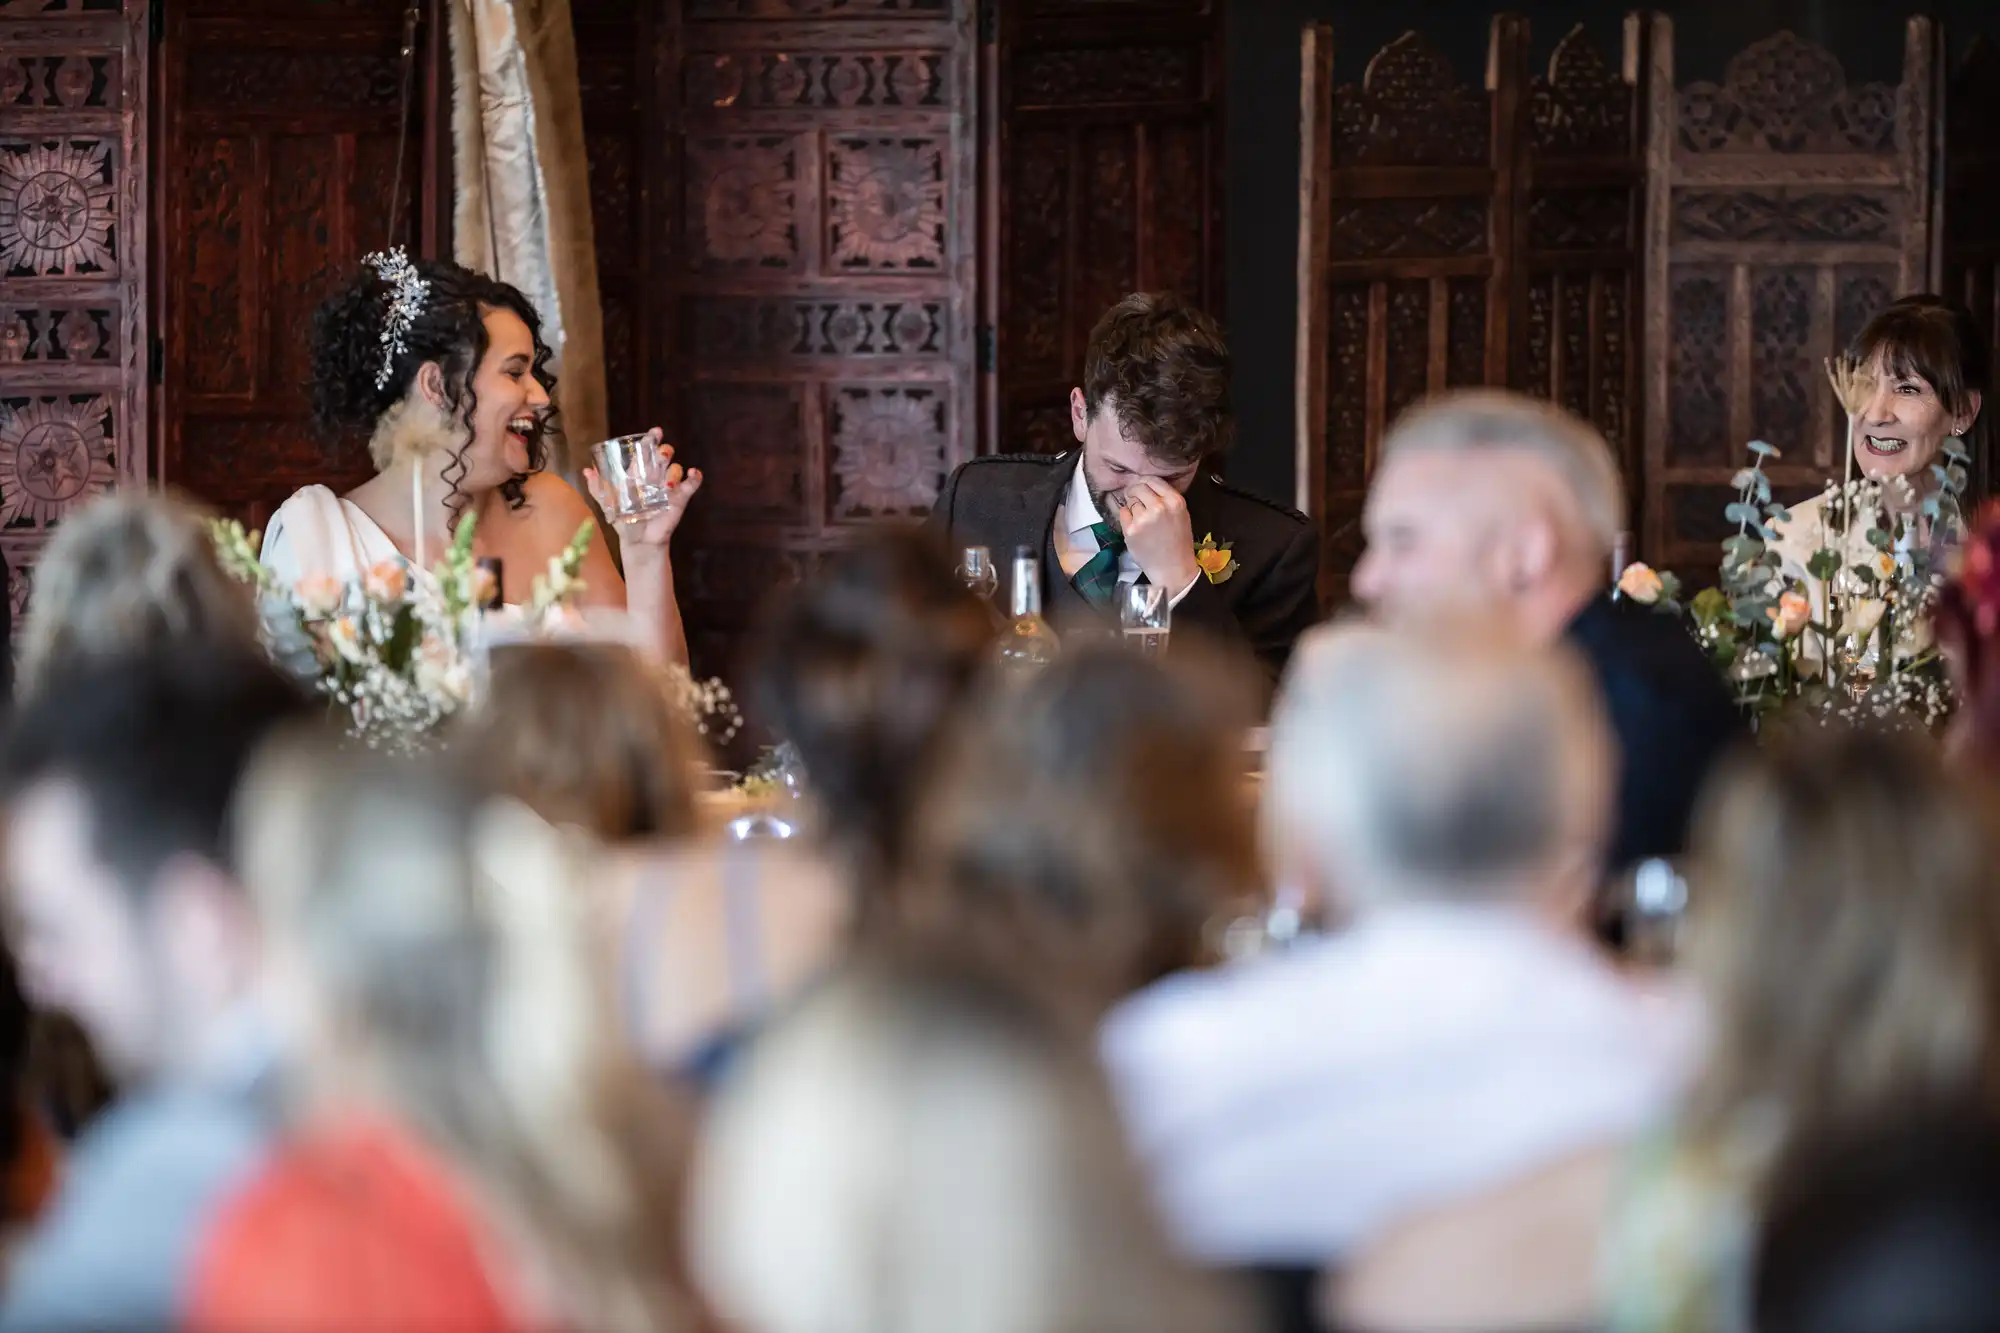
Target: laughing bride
x,y
444,370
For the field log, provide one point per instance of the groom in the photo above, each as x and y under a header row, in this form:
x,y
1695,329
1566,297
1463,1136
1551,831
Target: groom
x,y
1134,501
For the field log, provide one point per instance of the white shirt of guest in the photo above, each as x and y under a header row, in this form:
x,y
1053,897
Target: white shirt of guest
x,y
1076,543
1290,1107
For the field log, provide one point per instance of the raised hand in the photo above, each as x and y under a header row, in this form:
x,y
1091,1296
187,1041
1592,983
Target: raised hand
x,y
1159,533
656,529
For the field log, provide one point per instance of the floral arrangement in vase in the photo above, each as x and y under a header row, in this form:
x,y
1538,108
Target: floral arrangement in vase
x,y
1851,641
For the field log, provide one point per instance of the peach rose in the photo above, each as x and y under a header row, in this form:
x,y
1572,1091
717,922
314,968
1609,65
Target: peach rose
x,y
1792,613
1640,584
319,595
345,636
387,581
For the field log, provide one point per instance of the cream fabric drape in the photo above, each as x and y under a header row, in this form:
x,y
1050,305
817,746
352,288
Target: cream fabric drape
x,y
523,193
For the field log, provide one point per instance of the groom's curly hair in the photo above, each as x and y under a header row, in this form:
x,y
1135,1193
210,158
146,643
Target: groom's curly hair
x,y
450,330
1163,367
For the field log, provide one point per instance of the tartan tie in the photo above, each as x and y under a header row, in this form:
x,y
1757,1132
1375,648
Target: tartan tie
x,y
1098,579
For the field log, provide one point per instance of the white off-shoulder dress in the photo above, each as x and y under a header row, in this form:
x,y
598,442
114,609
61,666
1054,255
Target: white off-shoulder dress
x,y
317,532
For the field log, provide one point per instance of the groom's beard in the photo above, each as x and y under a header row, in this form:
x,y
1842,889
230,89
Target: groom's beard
x,y
1108,509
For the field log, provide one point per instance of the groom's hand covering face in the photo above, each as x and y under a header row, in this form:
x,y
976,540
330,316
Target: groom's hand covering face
x,y
1138,495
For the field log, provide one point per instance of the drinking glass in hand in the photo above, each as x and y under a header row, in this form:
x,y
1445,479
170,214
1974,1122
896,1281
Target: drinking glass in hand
x,y
633,471
1146,615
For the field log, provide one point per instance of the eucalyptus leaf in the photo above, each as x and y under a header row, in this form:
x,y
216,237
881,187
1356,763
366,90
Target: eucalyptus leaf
x,y
1777,513
1739,512
1880,540
1763,450
1745,479
1825,563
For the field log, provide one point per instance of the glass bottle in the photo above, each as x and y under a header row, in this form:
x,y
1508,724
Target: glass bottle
x,y
487,588
1027,643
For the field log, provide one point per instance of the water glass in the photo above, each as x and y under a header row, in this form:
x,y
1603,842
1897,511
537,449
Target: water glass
x,y
977,574
1145,614
635,474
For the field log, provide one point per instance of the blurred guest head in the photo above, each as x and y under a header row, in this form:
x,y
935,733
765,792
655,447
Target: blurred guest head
x,y
1890,1229
427,953
1491,502
1968,630
587,734
1846,929
921,1147
117,778
1457,766
130,573
863,666
1092,824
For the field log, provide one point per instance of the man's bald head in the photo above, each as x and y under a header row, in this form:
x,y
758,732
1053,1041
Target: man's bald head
x,y
1489,499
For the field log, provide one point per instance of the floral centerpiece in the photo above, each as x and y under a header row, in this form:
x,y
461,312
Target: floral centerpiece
x,y
1852,640
397,650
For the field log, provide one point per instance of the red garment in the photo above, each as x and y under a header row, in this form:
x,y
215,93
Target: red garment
x,y
352,1229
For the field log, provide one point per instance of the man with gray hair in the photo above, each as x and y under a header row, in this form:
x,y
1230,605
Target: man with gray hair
x,y
1489,503
1445,797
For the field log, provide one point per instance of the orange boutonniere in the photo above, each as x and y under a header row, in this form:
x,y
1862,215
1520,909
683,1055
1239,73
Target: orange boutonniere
x,y
1215,558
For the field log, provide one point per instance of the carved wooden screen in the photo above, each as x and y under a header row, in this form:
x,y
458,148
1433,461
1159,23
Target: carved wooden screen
x,y
1576,327
1407,216
1109,141
625,106
824,274
1971,258
278,156
1785,207
72,262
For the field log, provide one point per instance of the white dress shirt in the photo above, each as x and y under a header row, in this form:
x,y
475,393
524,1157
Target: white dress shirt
x,y
1076,543
1289,1107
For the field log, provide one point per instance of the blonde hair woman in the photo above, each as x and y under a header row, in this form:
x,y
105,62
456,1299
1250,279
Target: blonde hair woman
x,y
130,571
921,1149
460,1081
1846,931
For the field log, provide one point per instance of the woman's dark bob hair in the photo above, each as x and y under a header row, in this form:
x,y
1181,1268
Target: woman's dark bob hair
x,y
1928,337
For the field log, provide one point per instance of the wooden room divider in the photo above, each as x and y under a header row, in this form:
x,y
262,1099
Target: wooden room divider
x,y
1672,261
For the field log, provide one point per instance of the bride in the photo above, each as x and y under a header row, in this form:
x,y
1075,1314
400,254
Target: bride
x,y
445,372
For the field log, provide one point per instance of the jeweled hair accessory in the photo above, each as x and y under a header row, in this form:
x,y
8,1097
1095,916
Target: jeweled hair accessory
x,y
407,293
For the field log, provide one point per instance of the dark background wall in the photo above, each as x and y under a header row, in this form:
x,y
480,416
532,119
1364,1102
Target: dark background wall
x,y
1262,145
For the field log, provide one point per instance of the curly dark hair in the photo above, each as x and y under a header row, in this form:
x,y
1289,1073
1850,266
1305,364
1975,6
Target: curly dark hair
x,y
451,330
1164,367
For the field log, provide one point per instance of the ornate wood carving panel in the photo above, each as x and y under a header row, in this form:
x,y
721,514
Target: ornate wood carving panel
x,y
1785,206
73,391
1107,145
1971,258
1579,242
1408,210
278,158
816,328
